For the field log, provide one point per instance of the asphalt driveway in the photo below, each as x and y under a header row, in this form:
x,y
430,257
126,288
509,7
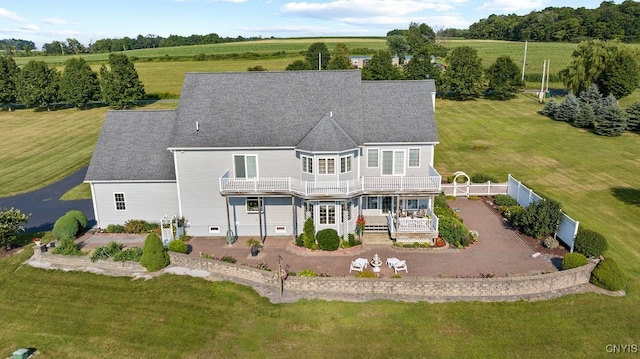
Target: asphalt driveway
x,y
45,205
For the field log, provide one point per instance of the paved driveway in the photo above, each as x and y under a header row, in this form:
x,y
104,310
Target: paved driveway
x,y
45,205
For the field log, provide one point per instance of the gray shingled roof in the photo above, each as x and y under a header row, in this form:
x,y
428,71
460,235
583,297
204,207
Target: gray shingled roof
x,y
327,135
133,146
278,109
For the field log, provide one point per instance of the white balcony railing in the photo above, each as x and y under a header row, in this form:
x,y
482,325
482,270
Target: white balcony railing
x,y
230,185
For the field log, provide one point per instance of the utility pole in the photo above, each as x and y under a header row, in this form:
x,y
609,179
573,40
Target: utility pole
x,y
544,71
524,62
319,61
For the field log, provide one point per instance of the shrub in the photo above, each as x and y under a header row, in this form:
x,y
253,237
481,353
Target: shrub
x,y
83,222
504,200
590,243
135,226
65,227
114,228
539,219
151,226
550,243
482,178
574,260
300,240
512,213
154,257
353,241
109,251
328,239
128,255
67,247
366,274
309,232
608,275
452,230
307,273
440,201
228,259
178,246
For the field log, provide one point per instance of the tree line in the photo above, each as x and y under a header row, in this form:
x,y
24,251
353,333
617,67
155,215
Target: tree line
x,y
38,85
564,24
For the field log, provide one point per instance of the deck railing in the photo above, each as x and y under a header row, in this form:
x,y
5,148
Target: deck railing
x,y
427,224
229,185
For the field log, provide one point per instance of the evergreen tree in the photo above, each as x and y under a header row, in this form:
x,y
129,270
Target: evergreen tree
x,y
550,108
313,58
612,121
79,84
37,85
420,66
463,78
633,113
340,58
8,76
591,96
504,78
298,65
380,67
121,87
568,109
585,117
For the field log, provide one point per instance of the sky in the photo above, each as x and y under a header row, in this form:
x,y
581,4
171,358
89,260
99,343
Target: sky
x,y
87,21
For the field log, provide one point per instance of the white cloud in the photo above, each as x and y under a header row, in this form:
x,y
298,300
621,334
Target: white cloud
x,y
30,27
4,13
55,21
342,9
512,6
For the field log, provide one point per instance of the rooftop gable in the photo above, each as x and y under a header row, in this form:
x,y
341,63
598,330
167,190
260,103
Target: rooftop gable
x,y
326,136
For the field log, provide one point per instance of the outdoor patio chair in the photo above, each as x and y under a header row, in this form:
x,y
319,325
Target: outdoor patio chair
x,y
356,267
363,261
399,266
392,261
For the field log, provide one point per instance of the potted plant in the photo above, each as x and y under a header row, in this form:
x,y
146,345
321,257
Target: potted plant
x,y
254,246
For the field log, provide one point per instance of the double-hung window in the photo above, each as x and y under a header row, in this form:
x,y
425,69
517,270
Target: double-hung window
x,y
414,157
372,158
393,163
307,164
326,166
120,203
246,166
345,164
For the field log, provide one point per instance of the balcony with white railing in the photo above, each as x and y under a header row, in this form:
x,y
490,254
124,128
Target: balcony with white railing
x,y
411,229
362,185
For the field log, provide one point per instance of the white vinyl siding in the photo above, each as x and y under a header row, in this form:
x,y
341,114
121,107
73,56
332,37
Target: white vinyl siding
x,y
372,158
326,166
414,157
121,205
307,164
246,166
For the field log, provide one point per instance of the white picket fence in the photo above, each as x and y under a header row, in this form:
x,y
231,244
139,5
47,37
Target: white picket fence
x,y
474,189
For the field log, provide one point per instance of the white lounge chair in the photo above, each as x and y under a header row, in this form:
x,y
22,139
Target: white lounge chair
x,y
363,261
392,261
356,267
399,266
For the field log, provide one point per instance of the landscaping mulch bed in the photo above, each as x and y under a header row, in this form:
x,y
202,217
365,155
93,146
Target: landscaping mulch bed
x,y
535,244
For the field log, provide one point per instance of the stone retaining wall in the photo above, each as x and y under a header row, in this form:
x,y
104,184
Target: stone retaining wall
x,y
332,287
407,286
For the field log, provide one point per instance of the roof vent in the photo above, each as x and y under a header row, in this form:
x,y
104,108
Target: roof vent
x,y
197,126
331,114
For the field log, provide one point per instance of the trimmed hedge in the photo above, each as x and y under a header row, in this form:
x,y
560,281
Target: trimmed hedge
x,y
608,275
83,222
328,239
66,227
178,246
504,200
590,243
574,260
154,257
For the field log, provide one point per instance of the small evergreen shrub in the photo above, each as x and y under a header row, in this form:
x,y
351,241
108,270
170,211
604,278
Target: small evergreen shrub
x,y
300,240
550,243
65,227
67,247
309,232
504,200
114,228
328,239
154,257
590,243
135,226
178,246
608,275
353,241
482,178
83,222
574,260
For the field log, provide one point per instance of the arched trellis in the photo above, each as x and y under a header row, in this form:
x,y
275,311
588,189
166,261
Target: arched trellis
x,y
464,188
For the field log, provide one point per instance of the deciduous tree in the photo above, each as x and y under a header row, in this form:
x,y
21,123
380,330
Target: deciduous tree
x,y
121,87
463,78
340,58
504,78
298,65
10,225
8,76
37,85
419,35
79,84
420,66
380,67
313,58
